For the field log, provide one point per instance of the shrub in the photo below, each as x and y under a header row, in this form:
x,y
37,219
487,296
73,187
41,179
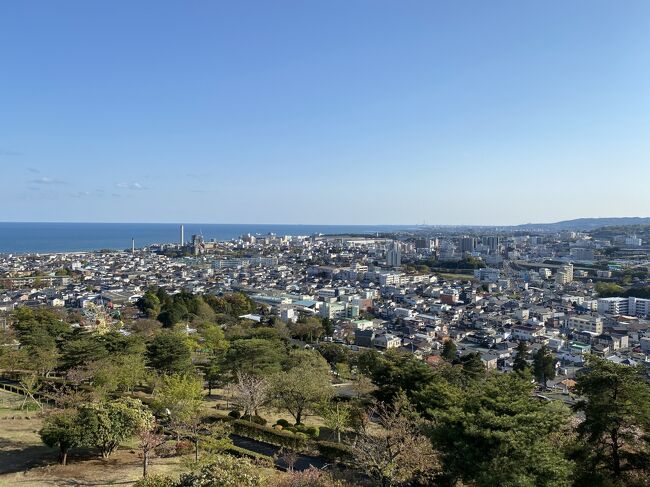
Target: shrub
x,y
155,481
258,420
223,471
334,452
283,422
269,435
183,447
313,431
166,450
234,414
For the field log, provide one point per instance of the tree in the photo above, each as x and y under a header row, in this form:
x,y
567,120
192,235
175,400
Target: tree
x,y
213,373
107,424
212,339
249,393
334,353
149,304
169,353
304,385
543,365
449,350
520,364
223,471
62,429
616,406
150,437
255,356
181,398
31,385
497,433
336,416
307,328
147,328
473,367
394,371
400,453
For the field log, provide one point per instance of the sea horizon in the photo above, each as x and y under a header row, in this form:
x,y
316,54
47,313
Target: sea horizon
x,y
61,237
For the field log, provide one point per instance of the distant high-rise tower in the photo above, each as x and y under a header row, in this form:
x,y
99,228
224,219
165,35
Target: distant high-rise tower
x,y
394,256
133,246
182,235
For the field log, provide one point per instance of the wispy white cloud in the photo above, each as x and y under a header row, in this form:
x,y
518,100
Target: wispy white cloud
x,y
133,186
47,181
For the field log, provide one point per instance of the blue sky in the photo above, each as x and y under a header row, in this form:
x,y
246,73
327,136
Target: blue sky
x,y
337,111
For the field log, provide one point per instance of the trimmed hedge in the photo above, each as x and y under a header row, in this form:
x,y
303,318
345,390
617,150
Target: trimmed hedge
x,y
334,452
296,441
243,452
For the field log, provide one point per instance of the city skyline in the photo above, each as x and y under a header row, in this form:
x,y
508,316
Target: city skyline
x,y
337,113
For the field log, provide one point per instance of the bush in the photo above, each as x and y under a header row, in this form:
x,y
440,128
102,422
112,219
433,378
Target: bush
x,y
269,435
234,414
313,431
258,420
183,447
223,471
166,450
334,452
259,458
155,481
283,422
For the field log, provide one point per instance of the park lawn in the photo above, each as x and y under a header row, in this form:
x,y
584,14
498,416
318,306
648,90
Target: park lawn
x,y
455,277
218,401
26,461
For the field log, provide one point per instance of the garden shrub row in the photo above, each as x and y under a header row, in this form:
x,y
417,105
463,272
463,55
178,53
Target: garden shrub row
x,y
296,441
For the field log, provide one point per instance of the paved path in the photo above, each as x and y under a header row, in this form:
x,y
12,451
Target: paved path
x,y
303,462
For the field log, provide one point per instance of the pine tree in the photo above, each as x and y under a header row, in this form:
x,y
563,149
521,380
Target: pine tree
x,y
543,365
449,350
520,364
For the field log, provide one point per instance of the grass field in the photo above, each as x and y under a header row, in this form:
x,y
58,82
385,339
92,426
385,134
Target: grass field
x,y
26,461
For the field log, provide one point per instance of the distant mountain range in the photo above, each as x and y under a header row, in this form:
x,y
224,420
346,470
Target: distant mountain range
x,y
585,224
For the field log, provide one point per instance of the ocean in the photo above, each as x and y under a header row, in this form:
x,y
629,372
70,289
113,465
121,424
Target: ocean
x,y
31,237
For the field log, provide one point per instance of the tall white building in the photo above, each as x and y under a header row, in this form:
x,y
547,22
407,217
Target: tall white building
x,y
394,256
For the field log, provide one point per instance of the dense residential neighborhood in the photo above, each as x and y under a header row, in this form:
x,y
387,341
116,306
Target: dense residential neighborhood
x,y
407,291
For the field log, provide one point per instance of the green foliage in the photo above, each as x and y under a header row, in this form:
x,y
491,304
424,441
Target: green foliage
x,y
495,433
334,353
303,385
543,365
449,350
223,471
155,481
149,304
334,452
267,434
234,304
169,353
255,356
62,430
107,424
394,371
307,328
607,289
616,407
182,396
520,364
